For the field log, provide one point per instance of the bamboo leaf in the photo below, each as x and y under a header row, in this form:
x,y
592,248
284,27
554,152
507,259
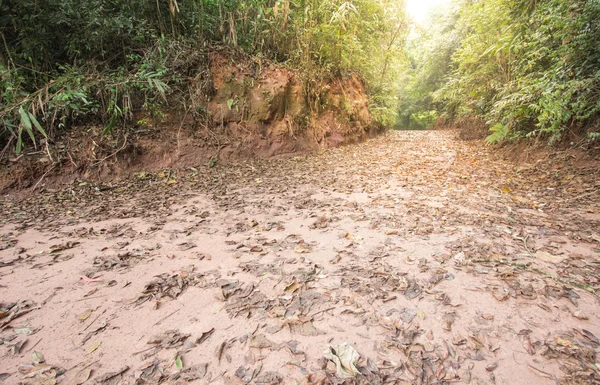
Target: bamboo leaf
x,y
25,118
110,126
19,146
37,125
26,123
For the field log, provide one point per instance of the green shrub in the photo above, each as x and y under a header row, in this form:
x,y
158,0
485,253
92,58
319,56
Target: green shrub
x,y
533,66
64,61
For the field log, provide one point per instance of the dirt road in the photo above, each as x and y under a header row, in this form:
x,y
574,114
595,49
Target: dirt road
x,y
436,261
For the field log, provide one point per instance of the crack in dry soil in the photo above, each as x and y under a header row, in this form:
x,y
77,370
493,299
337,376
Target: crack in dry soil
x,y
436,261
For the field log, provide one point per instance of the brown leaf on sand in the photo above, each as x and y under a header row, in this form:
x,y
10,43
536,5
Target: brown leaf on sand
x,y
447,321
15,310
248,374
82,376
303,327
112,262
93,332
550,258
17,346
302,248
580,315
228,287
193,373
168,340
269,378
413,290
168,285
501,294
407,315
526,341
260,341
220,350
63,246
588,337
320,223
111,378
435,279
345,358
204,336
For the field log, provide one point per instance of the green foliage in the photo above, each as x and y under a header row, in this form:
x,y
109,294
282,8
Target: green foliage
x,y
430,51
75,93
533,67
423,119
499,133
27,122
65,61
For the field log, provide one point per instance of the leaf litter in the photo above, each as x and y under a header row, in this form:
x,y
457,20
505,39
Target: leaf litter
x,y
430,266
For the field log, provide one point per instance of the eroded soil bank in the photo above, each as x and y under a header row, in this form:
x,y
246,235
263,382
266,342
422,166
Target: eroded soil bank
x,y
435,260
236,107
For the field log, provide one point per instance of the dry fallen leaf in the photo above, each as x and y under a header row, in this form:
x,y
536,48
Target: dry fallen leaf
x,y
302,248
345,358
580,315
204,336
85,315
292,287
82,376
520,260
93,347
563,342
37,358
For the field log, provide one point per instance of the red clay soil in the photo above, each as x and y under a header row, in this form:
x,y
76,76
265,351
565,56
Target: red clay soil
x,y
236,108
433,258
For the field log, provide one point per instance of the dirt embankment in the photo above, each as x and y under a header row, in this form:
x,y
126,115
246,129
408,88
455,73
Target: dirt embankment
x,y
275,113
236,107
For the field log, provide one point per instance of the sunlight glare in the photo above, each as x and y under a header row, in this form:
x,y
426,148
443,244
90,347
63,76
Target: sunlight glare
x,y
419,10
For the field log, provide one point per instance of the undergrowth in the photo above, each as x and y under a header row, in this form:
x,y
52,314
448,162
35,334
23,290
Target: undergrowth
x,y
529,69
69,62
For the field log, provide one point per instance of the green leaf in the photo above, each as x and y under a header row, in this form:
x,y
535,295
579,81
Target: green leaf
x,y
30,133
19,146
26,123
37,125
179,363
161,87
500,132
110,126
11,127
25,118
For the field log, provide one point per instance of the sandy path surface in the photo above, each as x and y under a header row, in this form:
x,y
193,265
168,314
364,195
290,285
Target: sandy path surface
x,y
437,262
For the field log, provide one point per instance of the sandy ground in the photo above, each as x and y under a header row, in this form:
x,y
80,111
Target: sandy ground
x,y
434,259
